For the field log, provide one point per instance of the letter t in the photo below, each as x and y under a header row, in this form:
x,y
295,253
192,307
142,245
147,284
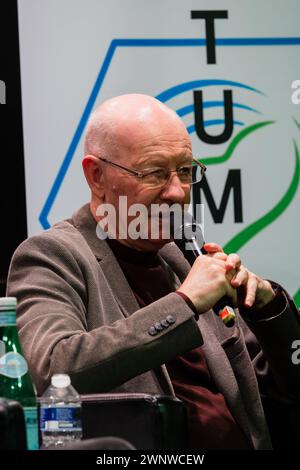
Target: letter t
x,y
209,16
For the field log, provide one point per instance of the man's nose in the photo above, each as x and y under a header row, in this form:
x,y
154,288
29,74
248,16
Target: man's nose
x,y
174,190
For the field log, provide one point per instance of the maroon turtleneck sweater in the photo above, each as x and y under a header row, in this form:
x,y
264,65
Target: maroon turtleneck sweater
x,y
211,425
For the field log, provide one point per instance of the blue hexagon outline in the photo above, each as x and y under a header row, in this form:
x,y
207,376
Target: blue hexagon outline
x,y
115,43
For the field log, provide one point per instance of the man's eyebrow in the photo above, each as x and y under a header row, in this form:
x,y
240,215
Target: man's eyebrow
x,y
161,161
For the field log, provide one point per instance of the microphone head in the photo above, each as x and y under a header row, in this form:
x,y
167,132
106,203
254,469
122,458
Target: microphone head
x,y
184,228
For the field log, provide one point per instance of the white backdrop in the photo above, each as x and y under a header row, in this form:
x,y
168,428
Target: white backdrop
x,y
77,53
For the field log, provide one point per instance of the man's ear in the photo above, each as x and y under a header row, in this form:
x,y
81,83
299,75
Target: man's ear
x,y
94,175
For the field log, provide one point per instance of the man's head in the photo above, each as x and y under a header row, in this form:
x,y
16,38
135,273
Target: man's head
x,y
140,133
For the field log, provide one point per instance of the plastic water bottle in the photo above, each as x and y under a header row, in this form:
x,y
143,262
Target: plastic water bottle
x,y
60,413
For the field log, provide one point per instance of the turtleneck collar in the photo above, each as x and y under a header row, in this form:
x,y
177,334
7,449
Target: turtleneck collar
x,y
131,255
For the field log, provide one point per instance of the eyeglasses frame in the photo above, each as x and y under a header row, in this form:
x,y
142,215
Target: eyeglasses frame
x,y
141,175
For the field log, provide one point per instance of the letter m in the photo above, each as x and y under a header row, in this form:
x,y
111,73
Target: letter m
x,y
233,183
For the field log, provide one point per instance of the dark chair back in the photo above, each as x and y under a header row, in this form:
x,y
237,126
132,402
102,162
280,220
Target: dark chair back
x,y
146,421
12,425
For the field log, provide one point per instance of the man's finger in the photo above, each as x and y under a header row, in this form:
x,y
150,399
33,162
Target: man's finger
x,y
218,255
240,278
212,247
234,260
251,289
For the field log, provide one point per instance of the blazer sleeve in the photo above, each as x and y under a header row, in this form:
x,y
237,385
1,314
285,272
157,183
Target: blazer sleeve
x,y
49,279
270,342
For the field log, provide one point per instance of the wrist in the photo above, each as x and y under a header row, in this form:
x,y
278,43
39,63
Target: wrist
x,y
189,302
267,294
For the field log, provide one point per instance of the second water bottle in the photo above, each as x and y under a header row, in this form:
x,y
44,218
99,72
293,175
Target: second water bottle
x,y
60,413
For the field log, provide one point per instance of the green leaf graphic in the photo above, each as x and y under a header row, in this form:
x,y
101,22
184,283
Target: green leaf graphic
x,y
297,295
296,122
249,232
297,298
233,144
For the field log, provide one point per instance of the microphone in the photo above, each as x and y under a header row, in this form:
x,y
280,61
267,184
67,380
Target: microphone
x,y
188,236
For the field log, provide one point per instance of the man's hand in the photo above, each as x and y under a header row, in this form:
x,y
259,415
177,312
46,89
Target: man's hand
x,y
210,279
252,290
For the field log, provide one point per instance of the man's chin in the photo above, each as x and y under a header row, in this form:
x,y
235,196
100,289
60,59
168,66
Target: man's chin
x,y
160,242
151,244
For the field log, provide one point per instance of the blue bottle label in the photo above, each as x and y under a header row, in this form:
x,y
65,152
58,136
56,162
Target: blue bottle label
x,y
62,418
8,318
31,422
13,365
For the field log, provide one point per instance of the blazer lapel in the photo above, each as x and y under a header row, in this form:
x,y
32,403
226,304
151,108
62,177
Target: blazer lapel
x,y
86,224
222,373
242,398
118,284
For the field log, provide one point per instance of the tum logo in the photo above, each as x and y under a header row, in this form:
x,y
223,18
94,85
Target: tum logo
x,y
231,132
2,92
233,181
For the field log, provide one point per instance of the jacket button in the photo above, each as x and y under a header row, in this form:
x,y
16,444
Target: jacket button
x,y
171,319
158,326
152,331
165,324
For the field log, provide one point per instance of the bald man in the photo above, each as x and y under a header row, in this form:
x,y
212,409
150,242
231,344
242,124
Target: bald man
x,y
102,299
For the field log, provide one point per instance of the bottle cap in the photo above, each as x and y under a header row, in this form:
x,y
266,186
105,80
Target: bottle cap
x,y
8,303
60,380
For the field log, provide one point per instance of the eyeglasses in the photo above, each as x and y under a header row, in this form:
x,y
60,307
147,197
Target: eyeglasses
x,y
155,177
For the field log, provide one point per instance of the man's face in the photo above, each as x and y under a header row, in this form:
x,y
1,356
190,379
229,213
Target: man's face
x,y
168,147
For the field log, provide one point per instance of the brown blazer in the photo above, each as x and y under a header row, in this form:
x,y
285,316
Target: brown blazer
x,y
77,314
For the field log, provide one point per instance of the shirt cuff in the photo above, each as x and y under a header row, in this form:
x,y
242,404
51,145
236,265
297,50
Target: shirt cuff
x,y
189,302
